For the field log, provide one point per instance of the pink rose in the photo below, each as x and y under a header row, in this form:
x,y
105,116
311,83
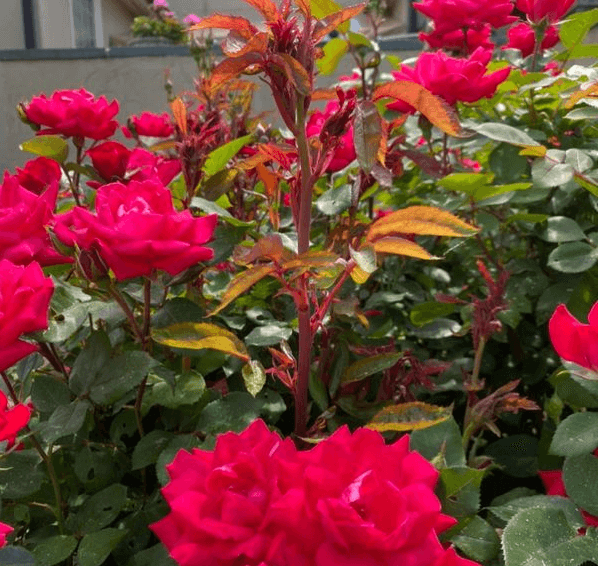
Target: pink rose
x,y
24,301
454,80
574,341
352,501
136,230
11,422
191,20
538,10
24,217
451,15
73,113
344,152
38,174
457,40
522,37
4,530
115,162
154,125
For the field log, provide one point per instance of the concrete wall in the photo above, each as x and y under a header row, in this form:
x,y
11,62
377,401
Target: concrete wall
x,y
11,25
116,23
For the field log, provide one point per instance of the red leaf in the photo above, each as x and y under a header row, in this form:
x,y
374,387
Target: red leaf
x,y
283,156
232,68
294,71
235,45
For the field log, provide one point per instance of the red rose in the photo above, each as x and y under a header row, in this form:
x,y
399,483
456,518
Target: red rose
x,y
74,113
24,301
11,422
457,40
115,162
352,501
344,152
23,220
522,37
451,15
236,504
554,485
551,10
38,174
574,341
154,125
454,80
4,530
136,230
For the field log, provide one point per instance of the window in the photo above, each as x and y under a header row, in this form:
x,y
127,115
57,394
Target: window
x,y
84,23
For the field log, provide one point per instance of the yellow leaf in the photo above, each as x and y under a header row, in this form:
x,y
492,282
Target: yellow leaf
x,y
401,246
242,283
421,220
534,151
409,416
311,259
434,108
590,92
359,275
200,336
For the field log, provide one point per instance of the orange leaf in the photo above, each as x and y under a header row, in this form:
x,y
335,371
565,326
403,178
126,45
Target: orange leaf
x,y
401,246
324,94
294,71
423,220
179,111
332,21
237,23
269,179
242,283
434,108
232,68
304,6
235,45
266,7
591,92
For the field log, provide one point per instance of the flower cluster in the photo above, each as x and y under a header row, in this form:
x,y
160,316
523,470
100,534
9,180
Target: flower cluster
x,y
352,499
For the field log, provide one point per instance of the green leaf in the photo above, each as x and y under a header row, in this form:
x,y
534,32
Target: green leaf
x,y
317,391
53,147
148,449
95,547
368,366
543,537
583,113
580,474
20,474
65,420
48,393
179,442
119,376
508,510
365,258
90,361
156,555
442,439
573,257
53,550
576,435
578,159
504,133
335,200
189,389
234,412
16,556
460,490
574,29
548,173
254,375
101,508
562,229
218,159
367,134
467,183
437,329
268,335
478,540
425,313
334,51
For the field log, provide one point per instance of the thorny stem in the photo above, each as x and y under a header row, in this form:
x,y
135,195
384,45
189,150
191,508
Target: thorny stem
x,y
74,190
477,362
321,313
303,310
49,352
45,457
147,300
122,303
